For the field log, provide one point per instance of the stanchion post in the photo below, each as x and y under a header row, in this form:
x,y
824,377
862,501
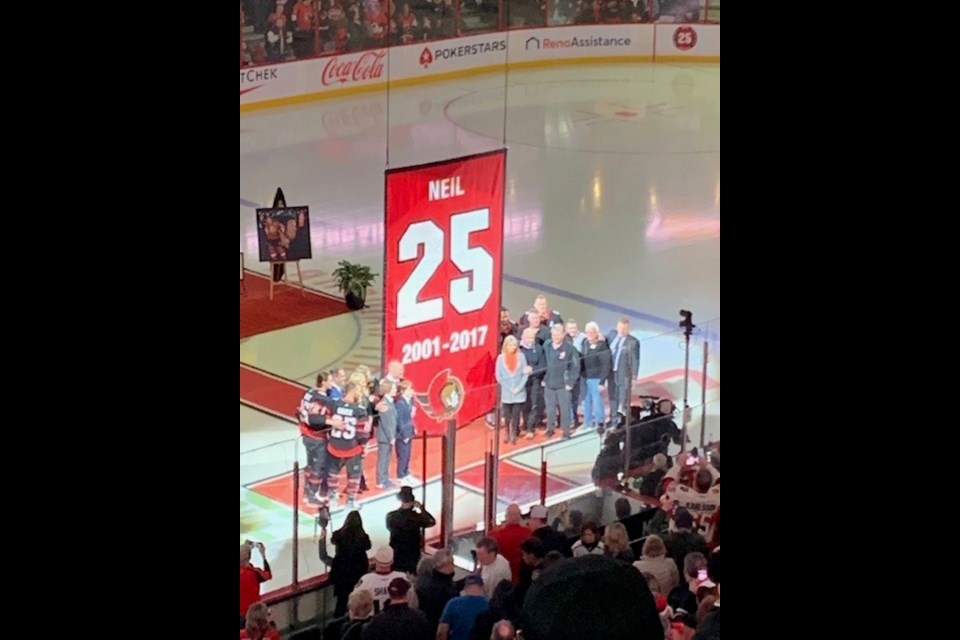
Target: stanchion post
x,y
296,523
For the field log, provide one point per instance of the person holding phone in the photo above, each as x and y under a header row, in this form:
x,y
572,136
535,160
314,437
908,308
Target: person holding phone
x,y
251,577
405,525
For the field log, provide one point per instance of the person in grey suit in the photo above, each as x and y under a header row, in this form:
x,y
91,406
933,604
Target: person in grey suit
x,y
386,433
512,373
625,354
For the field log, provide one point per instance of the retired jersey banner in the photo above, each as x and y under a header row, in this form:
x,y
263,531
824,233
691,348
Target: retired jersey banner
x,y
443,263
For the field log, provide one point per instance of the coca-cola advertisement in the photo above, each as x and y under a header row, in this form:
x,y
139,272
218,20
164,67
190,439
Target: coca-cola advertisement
x,y
354,68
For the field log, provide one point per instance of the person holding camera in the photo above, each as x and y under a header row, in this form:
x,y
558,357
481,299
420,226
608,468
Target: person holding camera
x,y
251,577
405,525
350,562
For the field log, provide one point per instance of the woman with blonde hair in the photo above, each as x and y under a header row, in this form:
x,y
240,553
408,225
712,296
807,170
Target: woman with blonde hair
x,y
361,379
258,624
512,373
654,560
616,542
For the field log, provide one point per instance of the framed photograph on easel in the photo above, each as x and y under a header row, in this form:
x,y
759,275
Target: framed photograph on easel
x,y
284,234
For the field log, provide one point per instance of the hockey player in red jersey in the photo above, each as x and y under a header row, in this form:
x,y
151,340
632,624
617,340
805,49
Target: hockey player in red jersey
x,y
345,444
316,418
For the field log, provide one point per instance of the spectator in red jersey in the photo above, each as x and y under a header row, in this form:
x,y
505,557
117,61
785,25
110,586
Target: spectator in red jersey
x,y
376,21
258,625
303,19
335,18
407,24
509,536
251,577
280,10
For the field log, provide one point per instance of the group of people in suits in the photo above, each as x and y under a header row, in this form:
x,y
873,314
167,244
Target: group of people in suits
x,y
547,365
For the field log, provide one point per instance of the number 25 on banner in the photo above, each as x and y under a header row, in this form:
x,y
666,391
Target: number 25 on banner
x,y
468,292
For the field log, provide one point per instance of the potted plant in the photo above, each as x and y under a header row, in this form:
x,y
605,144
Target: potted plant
x,y
353,280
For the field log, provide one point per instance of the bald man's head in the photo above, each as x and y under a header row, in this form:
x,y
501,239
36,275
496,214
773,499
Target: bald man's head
x,y
513,514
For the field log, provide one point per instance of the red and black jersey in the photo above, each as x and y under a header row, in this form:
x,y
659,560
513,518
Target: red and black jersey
x,y
345,441
314,410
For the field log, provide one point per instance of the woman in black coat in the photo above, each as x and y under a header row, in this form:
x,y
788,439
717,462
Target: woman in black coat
x,y
350,561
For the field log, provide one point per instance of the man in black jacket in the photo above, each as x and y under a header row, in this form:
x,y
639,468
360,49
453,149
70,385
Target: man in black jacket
x,y
436,588
562,373
596,370
398,620
405,525
532,410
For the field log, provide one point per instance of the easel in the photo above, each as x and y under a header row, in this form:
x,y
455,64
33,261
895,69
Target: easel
x,y
284,281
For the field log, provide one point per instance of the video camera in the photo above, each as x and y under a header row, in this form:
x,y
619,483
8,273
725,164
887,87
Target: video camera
x,y
323,517
657,406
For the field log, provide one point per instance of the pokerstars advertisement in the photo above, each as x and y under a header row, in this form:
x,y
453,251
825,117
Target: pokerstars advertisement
x,y
442,280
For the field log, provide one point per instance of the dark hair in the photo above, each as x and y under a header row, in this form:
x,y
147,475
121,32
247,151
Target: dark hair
x,y
623,508
533,545
322,377
713,566
576,519
352,530
551,558
489,544
590,525
703,480
504,603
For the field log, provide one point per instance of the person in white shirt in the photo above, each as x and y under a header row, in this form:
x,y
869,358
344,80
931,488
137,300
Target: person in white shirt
x,y
493,567
378,581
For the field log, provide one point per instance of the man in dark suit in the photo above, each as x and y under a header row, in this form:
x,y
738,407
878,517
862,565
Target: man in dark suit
x,y
625,353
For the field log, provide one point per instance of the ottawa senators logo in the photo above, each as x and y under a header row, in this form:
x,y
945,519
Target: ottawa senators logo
x,y
443,398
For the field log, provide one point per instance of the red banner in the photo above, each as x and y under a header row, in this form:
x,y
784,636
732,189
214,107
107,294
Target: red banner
x,y
443,264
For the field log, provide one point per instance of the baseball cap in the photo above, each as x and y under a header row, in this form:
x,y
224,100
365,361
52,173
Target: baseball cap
x,y
398,587
686,618
538,511
384,555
